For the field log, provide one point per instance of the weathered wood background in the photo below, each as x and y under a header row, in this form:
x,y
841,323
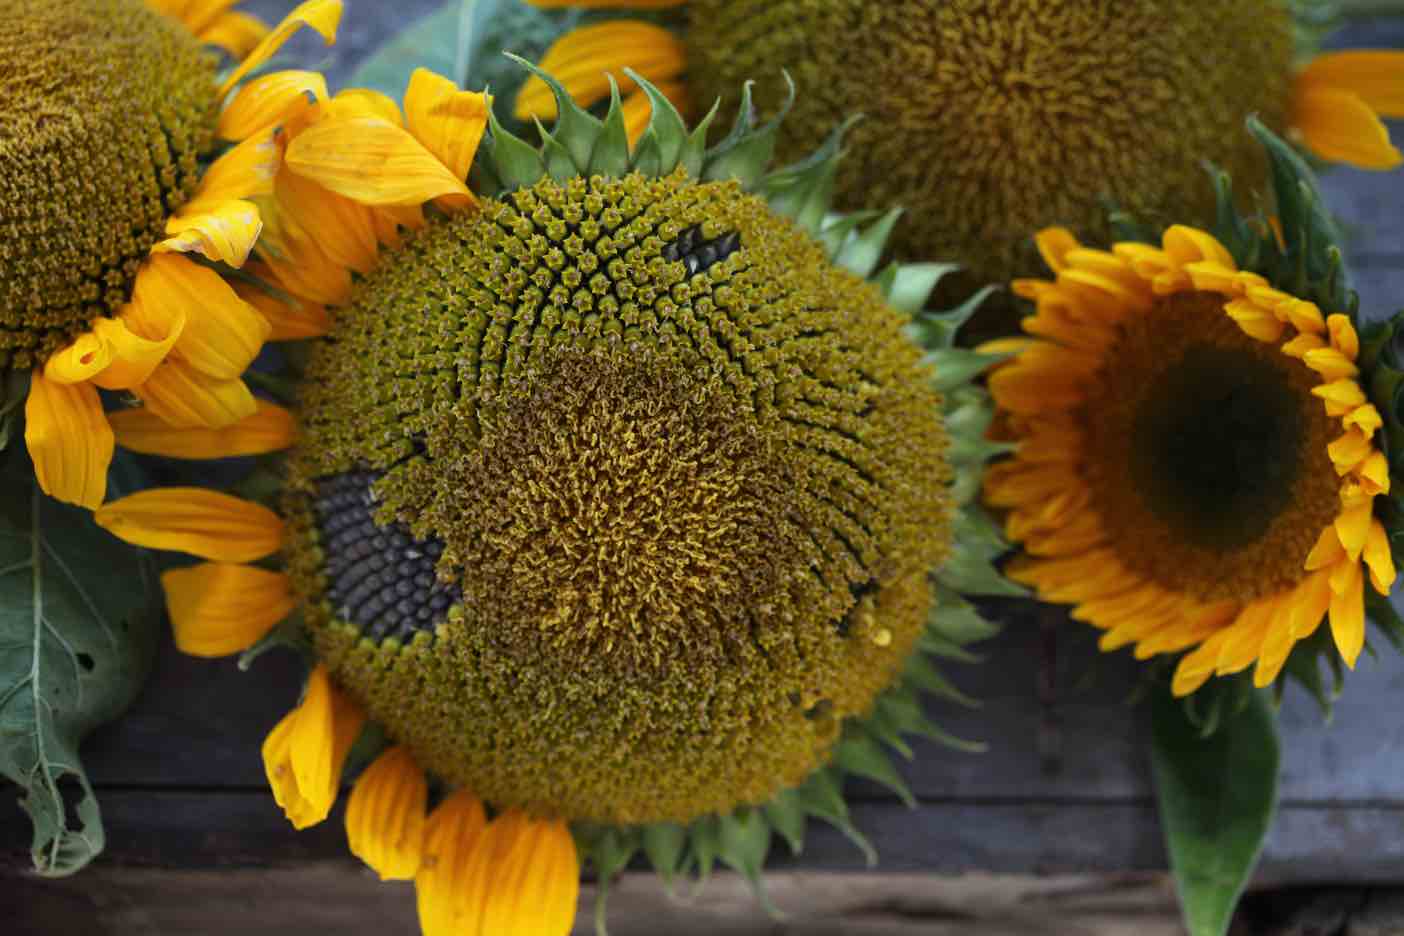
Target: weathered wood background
x,y
1064,788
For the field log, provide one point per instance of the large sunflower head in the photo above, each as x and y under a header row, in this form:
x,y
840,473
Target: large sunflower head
x,y
119,162
991,118
624,499
1202,448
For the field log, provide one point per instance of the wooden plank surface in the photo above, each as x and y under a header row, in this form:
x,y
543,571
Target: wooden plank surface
x,y
1065,784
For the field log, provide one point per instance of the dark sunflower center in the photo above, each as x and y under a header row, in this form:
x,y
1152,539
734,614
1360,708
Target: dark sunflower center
x,y
989,119
1206,453
105,110
1218,446
686,473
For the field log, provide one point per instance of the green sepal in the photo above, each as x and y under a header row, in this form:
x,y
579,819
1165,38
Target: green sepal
x,y
704,842
665,844
575,129
1304,664
923,674
608,849
786,815
14,390
912,286
666,127
822,796
288,633
515,163
937,330
743,842
804,191
745,153
560,165
955,366
610,157
838,227
860,255
972,574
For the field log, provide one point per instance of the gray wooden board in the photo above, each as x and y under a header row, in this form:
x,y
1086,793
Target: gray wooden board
x,y
1064,785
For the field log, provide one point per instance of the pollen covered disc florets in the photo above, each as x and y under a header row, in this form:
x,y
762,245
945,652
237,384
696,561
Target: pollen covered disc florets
x,y
991,118
105,109
686,473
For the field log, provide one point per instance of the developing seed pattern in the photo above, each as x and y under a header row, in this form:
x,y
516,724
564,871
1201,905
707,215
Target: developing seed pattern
x,y
381,578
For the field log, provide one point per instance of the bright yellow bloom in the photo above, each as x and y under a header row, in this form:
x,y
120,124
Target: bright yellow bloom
x,y
987,119
151,320
1196,462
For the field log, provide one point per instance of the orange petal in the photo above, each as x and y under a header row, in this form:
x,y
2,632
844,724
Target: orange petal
x,y
1340,127
448,121
374,162
219,608
69,440
193,520
385,815
270,429
1376,76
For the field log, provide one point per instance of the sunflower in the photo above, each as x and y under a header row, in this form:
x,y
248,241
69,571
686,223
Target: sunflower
x,y
110,120
624,499
992,118
1200,466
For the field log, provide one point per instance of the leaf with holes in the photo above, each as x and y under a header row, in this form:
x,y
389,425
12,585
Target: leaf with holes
x,y
77,632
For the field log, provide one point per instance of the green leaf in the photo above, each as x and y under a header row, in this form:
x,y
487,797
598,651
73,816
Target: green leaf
x,y
430,42
77,633
1217,797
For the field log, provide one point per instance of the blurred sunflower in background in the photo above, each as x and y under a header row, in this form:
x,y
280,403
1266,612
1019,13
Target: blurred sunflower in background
x,y
1201,433
119,204
989,120
631,498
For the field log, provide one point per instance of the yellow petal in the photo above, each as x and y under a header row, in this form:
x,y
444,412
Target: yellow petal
x,y
1330,363
1373,474
270,429
324,727
223,333
374,162
342,229
1327,551
1348,615
1379,558
1343,336
1185,245
185,398
219,608
246,171
1349,450
1376,76
452,882
583,58
1197,666
448,121
198,521
638,109
1255,321
385,815
224,235
535,882
1345,393
197,15
1365,418
81,360
321,15
236,33
1353,525
69,440
1340,127
133,356
268,101
287,321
